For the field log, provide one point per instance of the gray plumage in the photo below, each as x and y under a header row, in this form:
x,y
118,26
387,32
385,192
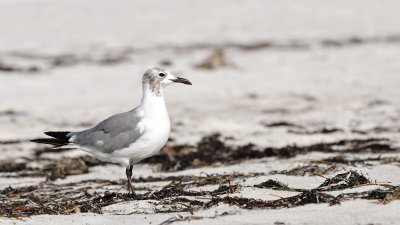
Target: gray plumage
x,y
114,133
127,138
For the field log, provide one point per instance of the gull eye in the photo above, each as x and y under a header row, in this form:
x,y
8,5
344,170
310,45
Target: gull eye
x,y
161,74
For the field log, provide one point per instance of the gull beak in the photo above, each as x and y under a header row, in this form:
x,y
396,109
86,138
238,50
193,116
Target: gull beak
x,y
181,80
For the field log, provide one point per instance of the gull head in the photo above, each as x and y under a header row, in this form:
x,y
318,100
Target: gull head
x,y
157,78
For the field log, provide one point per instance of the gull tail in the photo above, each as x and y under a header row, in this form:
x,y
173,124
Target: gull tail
x,y
59,138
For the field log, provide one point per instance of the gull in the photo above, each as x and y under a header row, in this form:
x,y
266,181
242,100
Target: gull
x,y
129,137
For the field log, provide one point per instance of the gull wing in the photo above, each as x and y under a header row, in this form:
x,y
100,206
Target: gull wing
x,y
116,132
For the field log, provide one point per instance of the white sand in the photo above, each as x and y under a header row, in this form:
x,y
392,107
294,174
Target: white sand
x,y
349,87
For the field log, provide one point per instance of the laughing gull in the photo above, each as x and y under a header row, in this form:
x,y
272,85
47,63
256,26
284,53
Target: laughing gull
x,y
128,137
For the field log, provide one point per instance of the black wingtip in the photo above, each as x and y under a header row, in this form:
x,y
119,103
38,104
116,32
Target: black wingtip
x,y
59,138
50,141
61,135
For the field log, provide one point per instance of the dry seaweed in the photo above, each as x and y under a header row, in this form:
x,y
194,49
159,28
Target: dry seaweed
x,y
282,124
64,167
212,151
383,195
38,62
11,142
343,181
213,61
306,197
275,185
309,170
196,181
178,189
18,68
394,195
7,166
323,130
343,159
52,168
53,199
39,151
48,198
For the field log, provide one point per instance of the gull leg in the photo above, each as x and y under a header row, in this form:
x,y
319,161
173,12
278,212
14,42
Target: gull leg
x,y
129,177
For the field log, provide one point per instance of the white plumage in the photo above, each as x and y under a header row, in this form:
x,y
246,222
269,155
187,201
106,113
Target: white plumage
x,y
132,136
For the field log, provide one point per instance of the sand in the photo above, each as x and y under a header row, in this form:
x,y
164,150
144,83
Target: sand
x,y
291,73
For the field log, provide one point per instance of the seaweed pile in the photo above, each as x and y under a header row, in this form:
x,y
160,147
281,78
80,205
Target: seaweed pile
x,y
47,198
212,151
184,193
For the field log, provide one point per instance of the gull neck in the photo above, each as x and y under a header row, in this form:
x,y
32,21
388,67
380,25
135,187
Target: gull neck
x,y
152,101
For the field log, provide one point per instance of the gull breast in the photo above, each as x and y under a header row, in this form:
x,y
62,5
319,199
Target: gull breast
x,y
155,136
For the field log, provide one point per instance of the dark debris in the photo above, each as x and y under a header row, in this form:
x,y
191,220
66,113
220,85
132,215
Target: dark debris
x,y
52,169
275,185
306,197
343,181
311,169
212,151
282,124
342,159
49,198
383,195
8,166
323,130
215,60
